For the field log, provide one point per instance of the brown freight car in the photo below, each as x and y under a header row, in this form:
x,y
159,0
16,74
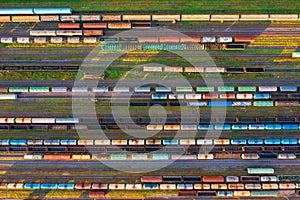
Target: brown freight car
x,y
111,17
92,32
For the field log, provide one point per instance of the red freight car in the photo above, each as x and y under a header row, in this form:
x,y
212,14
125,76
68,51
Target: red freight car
x,y
151,179
95,25
69,25
244,39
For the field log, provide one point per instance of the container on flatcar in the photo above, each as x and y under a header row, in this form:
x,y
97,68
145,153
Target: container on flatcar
x,y
119,142
153,142
7,40
136,142
232,179
171,127
168,186
90,40
69,18
111,17
208,39
286,156
244,96
223,127
250,156
69,32
227,96
151,186
270,186
134,186
236,186
90,18
268,178
242,193
49,18
221,141
260,170
205,156
205,142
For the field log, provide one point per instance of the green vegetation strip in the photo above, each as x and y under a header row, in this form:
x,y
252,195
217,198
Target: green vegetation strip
x,y
185,6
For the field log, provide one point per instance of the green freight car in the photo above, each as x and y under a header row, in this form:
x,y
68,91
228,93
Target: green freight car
x,y
263,103
205,89
39,89
226,88
18,89
247,89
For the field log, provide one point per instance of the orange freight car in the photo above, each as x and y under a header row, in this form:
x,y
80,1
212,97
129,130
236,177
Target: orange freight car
x,y
34,18
69,25
120,25
92,32
212,179
227,156
95,25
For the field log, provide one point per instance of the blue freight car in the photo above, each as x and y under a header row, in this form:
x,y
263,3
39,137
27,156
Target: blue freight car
x,y
238,141
68,186
290,126
43,11
150,186
261,96
273,126
205,127
170,142
182,186
32,186
16,11
66,120
272,141
255,141
239,127
289,141
223,127
197,104
163,89
288,88
220,104
48,186
68,142
256,126
18,142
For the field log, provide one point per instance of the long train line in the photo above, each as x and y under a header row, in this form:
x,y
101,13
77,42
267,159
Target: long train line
x,y
164,153
76,68
101,83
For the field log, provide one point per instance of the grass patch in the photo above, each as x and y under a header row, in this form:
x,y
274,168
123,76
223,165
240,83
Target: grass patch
x,y
182,6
